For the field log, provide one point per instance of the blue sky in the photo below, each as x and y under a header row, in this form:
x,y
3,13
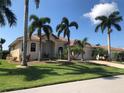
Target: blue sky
x,y
74,10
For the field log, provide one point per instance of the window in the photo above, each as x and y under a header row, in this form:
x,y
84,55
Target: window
x,y
33,47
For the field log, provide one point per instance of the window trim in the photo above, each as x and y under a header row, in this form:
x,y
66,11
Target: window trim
x,y
33,47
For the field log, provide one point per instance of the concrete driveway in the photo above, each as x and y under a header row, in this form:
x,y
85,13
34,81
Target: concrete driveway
x,y
111,64
113,84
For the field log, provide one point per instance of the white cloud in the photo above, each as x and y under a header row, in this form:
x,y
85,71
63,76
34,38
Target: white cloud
x,y
101,9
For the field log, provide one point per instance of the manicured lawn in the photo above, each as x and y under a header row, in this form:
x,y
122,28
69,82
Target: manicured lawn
x,y
12,78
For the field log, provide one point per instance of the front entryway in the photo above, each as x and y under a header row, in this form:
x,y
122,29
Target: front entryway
x,y
48,49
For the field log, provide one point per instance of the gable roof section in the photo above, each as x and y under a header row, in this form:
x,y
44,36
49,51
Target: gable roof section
x,y
35,38
17,40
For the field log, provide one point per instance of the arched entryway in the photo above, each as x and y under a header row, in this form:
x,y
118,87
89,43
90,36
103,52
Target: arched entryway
x,y
48,49
60,52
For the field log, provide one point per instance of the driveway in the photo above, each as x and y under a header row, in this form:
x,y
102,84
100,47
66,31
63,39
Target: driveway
x,y
113,84
111,64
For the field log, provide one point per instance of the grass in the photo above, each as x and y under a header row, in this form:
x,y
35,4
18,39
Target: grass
x,y
118,62
12,78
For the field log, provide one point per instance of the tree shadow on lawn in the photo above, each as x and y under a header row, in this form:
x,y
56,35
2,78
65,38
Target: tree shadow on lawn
x,y
31,73
87,70
82,69
37,72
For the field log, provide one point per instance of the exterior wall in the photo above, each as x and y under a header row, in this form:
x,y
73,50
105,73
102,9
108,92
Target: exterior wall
x,y
48,48
88,53
33,55
57,45
15,51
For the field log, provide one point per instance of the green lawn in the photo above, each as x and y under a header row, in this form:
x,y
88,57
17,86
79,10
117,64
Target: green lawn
x,y
12,78
119,62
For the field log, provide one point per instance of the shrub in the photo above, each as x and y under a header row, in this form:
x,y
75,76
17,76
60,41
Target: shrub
x,y
115,56
99,51
3,54
118,56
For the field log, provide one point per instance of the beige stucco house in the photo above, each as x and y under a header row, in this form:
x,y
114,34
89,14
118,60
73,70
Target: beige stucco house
x,y
50,49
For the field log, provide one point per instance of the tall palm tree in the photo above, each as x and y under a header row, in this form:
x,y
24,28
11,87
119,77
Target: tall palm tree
x,y
2,41
107,23
6,13
26,8
82,44
39,25
64,27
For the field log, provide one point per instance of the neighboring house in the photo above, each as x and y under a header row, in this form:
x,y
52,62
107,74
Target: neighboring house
x,y
112,48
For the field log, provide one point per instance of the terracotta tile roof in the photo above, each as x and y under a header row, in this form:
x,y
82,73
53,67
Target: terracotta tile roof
x,y
112,48
36,38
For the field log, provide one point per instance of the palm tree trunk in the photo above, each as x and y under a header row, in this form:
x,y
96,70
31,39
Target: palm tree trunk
x,y
69,58
109,47
0,51
40,51
82,56
24,61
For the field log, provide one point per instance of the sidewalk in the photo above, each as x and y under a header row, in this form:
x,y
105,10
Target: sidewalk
x,y
108,63
113,84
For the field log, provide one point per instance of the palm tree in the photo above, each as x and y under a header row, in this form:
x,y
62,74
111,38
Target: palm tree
x,y
39,25
75,51
26,8
107,23
2,41
6,13
64,27
82,44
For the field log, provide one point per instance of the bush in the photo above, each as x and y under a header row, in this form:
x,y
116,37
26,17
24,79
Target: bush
x,y
115,56
0,54
3,54
99,51
118,56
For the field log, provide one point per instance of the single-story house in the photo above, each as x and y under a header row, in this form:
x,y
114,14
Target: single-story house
x,y
50,49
